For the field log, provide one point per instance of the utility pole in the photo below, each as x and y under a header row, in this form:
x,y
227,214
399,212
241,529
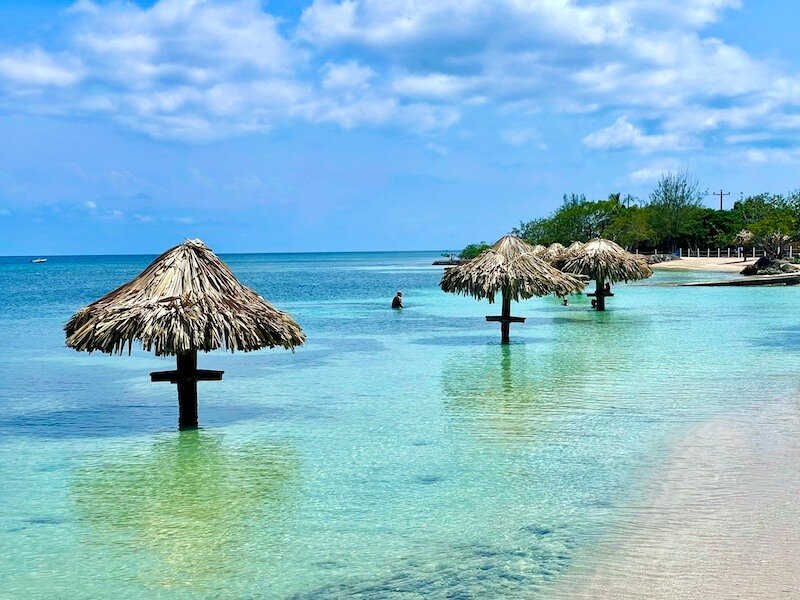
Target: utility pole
x,y
720,193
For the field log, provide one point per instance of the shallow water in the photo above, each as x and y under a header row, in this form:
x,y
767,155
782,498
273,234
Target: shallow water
x,y
397,452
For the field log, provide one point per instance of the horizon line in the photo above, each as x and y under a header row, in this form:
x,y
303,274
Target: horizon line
x,y
225,253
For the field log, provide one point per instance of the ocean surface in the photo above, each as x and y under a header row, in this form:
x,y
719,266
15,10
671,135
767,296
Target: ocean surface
x,y
398,452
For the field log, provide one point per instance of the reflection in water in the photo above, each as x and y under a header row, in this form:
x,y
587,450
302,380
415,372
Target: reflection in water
x,y
514,390
505,390
197,508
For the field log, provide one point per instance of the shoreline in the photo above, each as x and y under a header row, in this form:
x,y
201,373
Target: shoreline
x,y
720,518
713,264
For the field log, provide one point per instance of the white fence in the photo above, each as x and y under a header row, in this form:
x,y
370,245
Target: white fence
x,y
721,252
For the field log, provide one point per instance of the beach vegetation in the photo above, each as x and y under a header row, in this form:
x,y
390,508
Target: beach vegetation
x,y
473,251
672,216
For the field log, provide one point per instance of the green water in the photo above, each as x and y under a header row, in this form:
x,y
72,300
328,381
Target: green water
x,y
397,453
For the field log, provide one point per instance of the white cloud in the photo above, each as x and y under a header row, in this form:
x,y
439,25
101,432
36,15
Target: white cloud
x,y
90,205
195,70
37,68
653,172
438,86
349,75
624,134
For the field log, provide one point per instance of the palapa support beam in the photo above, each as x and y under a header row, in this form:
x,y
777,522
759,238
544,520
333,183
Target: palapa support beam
x,y
186,377
502,319
505,319
600,294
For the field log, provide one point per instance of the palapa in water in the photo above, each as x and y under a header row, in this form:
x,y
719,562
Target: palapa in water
x,y
511,269
553,253
186,300
606,262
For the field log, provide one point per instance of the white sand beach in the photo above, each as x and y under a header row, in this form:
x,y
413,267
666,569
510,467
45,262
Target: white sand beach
x,y
724,265
721,519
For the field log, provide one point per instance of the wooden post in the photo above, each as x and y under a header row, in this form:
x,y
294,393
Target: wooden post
x,y
505,324
187,390
600,294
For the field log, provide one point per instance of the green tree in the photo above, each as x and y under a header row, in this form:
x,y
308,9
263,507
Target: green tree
x,y
674,208
473,250
631,229
577,219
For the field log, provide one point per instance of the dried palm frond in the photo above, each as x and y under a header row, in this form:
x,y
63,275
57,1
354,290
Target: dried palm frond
x,y
553,253
605,260
511,266
187,299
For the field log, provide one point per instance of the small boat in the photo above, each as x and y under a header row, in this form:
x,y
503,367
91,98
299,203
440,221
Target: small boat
x,y
39,260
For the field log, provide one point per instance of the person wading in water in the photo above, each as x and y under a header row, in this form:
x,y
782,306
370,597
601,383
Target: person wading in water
x,y
397,301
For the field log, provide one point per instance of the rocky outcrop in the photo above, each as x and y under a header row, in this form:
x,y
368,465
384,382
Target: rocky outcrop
x,y
767,266
659,258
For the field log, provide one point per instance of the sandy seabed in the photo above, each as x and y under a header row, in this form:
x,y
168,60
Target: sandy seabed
x,y
720,519
722,265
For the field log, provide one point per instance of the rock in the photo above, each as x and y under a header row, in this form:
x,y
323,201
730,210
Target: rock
x,y
659,258
767,266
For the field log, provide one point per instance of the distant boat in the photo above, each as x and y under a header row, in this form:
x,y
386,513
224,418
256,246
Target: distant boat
x,y
39,260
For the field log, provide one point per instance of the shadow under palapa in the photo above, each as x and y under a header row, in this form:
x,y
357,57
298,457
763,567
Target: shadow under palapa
x,y
196,508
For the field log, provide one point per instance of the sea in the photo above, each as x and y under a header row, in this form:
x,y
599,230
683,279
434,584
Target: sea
x,y
396,454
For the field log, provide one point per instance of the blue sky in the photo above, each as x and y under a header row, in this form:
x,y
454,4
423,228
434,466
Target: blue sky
x,y
374,124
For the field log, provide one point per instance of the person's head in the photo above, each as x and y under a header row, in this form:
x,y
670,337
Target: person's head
x,y
399,293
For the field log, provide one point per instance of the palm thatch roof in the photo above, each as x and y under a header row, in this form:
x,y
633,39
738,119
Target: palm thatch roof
x,y
538,250
560,258
553,253
603,259
509,265
187,299
572,249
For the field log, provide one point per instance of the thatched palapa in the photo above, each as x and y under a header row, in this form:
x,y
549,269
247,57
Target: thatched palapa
x,y
606,262
553,253
511,269
186,300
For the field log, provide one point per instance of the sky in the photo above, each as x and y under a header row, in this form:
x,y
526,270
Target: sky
x,y
350,125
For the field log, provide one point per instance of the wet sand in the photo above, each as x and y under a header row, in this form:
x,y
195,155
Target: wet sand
x,y
722,265
721,518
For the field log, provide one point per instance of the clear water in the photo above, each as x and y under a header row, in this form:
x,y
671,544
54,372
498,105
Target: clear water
x,y
396,453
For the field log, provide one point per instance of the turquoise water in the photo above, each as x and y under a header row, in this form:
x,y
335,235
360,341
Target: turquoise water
x,y
396,453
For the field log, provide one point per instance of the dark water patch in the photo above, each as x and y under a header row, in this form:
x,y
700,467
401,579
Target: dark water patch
x,y
420,443
474,571
537,530
429,479
45,520
782,339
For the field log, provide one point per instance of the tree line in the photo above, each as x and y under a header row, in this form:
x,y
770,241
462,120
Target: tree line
x,y
672,217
